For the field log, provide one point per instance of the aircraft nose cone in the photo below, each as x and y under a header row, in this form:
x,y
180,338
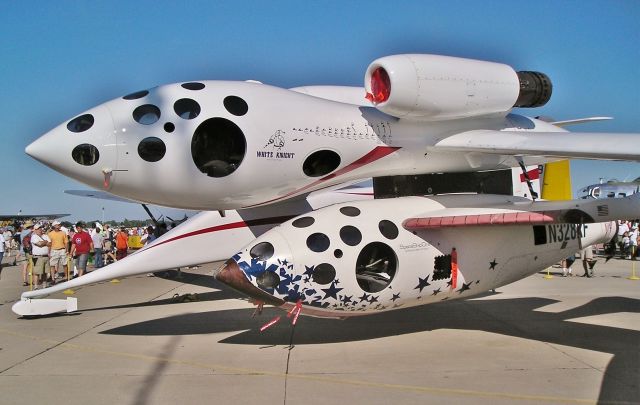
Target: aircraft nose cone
x,y
80,148
231,275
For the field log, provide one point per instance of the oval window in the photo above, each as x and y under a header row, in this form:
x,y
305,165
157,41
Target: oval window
x,y
268,280
81,123
318,242
350,235
218,147
375,267
235,105
136,95
324,273
303,222
151,149
85,154
262,251
350,211
169,127
186,108
146,114
320,163
388,229
193,86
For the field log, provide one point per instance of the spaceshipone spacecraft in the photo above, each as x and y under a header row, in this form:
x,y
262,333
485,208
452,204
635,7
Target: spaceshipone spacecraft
x,y
216,145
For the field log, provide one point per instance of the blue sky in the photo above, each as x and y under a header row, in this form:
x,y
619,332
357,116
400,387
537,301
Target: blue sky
x,y
61,58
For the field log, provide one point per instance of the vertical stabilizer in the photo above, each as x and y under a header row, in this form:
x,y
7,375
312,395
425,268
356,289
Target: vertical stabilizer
x,y
557,181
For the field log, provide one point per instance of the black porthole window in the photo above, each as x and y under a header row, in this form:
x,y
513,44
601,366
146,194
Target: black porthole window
x,y
146,114
136,95
350,235
85,154
320,163
268,280
169,127
388,229
151,149
303,222
235,105
81,123
324,273
337,253
318,242
186,108
193,86
350,211
218,147
376,266
263,251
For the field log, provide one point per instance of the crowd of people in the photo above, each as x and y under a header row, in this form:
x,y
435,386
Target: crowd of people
x,y
50,252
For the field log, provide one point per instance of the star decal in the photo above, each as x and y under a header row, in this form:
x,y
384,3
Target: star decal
x,y
436,292
365,297
493,264
347,299
422,283
449,283
308,270
465,287
395,297
373,299
331,291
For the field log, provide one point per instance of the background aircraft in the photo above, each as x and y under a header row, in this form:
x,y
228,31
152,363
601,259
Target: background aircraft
x,y
611,189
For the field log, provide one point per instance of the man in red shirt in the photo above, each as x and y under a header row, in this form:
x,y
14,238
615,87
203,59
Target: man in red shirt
x,y
81,245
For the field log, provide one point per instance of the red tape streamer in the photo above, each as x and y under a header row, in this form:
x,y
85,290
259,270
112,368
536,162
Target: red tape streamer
x,y
270,323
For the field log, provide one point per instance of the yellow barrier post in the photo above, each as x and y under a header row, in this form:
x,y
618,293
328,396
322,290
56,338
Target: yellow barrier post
x,y
69,291
548,275
633,271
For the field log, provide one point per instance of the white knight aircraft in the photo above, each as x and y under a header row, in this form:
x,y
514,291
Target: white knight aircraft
x,y
263,151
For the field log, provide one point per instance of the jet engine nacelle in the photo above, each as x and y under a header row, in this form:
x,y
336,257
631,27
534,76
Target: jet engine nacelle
x,y
434,87
368,256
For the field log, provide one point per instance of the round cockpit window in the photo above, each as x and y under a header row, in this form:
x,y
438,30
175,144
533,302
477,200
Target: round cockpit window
x,y
388,229
376,266
318,242
303,222
151,149
146,114
136,95
350,235
262,251
350,211
193,86
186,108
81,123
268,280
218,147
320,163
85,154
324,273
235,105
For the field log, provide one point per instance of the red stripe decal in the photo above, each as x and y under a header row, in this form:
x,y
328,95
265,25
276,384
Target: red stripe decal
x,y
232,225
376,153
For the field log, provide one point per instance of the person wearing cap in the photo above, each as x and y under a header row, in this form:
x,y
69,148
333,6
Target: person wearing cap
x,y
40,244
81,245
58,255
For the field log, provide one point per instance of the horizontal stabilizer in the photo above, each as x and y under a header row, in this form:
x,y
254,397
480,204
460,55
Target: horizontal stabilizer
x,y
581,145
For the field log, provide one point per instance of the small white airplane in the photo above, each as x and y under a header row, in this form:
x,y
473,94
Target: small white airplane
x,y
229,145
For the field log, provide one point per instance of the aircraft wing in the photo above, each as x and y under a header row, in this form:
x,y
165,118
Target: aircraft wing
x,y
101,195
529,213
581,145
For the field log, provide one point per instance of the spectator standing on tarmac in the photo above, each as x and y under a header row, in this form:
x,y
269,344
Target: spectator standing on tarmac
x,y
98,239
588,262
40,244
58,255
81,245
122,243
25,249
633,242
1,251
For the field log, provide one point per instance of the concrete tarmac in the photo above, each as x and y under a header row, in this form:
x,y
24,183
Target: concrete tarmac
x,y
562,340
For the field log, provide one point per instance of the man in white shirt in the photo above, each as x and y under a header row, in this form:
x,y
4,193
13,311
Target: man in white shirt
x,y
40,244
98,239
